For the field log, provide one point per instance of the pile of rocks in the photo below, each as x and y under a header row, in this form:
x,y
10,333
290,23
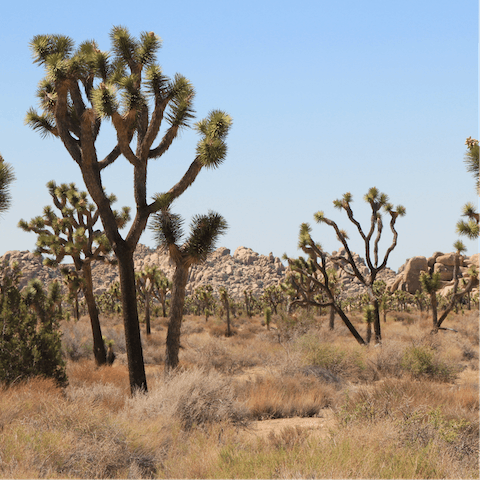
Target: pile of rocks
x,y
408,278
246,269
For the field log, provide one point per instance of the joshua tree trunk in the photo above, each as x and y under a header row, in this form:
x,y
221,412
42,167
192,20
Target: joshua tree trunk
x,y
180,279
433,301
332,317
227,310
133,342
147,312
98,344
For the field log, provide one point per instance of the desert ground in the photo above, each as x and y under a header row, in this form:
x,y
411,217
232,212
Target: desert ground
x,y
297,400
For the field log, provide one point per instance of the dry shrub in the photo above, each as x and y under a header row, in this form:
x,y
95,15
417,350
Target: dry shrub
x,y
285,397
108,396
87,373
288,437
399,398
228,355
49,435
406,318
220,329
195,397
348,362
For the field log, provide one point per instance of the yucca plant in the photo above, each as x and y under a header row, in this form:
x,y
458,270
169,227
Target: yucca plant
x,y
86,86
168,231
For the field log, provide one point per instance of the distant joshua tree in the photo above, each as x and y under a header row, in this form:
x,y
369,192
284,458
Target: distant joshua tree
x,y
316,272
205,230
71,233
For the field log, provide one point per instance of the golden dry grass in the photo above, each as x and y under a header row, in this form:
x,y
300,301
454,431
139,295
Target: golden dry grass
x,y
392,422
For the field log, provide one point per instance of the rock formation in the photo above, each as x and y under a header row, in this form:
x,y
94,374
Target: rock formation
x,y
409,273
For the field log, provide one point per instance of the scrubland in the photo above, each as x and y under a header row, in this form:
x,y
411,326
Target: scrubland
x,y
406,409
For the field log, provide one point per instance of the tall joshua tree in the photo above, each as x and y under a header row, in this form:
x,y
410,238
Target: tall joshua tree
x,y
205,230
81,90
72,233
6,178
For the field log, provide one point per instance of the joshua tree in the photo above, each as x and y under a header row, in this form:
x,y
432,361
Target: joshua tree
x,y
6,178
377,201
430,285
161,288
205,230
470,228
273,296
311,282
146,281
206,300
72,233
458,295
80,90
225,299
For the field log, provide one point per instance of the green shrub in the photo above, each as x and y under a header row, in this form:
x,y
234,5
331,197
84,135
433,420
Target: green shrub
x,y
29,332
421,361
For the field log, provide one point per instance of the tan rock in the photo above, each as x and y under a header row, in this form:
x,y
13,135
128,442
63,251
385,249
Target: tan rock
x,y
411,273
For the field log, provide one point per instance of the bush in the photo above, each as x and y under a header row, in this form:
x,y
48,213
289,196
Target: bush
x,y
30,339
421,361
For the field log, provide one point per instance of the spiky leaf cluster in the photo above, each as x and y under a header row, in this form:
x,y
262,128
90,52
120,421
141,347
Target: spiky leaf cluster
x,y
6,178
204,233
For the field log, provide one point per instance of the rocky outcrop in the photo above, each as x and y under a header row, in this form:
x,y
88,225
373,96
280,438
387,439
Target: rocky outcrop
x,y
443,264
245,269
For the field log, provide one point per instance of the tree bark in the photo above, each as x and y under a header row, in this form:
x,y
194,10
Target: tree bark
x,y
331,323
98,343
133,342
147,312
180,279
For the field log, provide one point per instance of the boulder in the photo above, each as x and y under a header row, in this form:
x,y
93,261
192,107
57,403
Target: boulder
x,y
411,273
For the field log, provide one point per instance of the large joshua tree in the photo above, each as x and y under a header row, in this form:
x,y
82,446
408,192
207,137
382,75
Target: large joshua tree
x,y
205,230
81,90
72,232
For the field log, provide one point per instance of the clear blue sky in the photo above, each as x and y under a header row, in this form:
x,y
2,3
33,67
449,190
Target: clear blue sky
x,y
326,97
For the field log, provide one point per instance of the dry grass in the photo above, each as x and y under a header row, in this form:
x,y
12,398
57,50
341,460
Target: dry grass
x,y
394,420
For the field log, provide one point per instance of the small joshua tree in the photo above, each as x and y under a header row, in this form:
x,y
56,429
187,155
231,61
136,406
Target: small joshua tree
x,y
456,294
205,230
225,299
147,281
371,239
273,296
71,232
430,285
161,288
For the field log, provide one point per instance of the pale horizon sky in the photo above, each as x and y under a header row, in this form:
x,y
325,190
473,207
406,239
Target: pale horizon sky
x,y
326,97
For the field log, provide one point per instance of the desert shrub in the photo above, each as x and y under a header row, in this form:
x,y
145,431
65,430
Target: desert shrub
x,y
30,338
194,397
285,396
350,362
421,361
